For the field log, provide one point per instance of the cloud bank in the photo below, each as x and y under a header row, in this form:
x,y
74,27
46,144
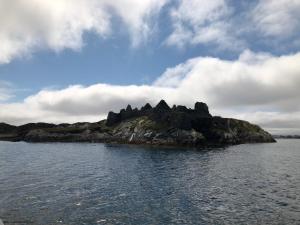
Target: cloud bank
x,y
258,87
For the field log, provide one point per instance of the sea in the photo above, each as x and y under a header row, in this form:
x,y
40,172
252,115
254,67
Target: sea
x,y
81,183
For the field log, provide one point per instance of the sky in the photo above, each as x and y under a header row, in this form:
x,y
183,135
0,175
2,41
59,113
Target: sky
x,y
69,61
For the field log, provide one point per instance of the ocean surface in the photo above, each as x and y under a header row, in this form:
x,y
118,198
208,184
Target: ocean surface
x,y
48,184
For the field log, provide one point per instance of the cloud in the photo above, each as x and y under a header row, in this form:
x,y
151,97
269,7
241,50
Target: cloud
x,y
228,25
258,87
203,22
277,18
254,80
139,16
275,122
29,25
6,92
79,103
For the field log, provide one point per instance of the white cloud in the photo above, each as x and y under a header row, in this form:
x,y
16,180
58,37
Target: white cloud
x,y
258,80
202,22
28,25
78,103
258,87
6,92
233,26
139,16
277,18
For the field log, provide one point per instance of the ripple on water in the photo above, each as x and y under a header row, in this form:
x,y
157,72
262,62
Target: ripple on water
x,y
97,184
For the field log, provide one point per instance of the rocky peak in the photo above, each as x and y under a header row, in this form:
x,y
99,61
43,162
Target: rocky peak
x,y
179,116
146,107
181,108
162,106
113,118
201,107
128,108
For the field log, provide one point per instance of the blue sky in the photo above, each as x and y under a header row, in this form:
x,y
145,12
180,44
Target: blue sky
x,y
55,53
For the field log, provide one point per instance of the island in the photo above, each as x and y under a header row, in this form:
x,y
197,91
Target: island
x,y
160,125
289,136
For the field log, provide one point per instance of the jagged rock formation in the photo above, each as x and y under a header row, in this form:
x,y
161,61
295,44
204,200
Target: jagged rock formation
x,y
159,125
177,117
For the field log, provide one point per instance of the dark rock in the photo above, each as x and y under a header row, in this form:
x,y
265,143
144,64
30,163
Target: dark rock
x,y
30,126
180,120
6,128
128,108
202,109
161,112
181,108
122,111
162,106
113,118
146,108
127,113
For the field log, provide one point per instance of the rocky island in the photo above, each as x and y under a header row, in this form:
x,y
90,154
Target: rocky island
x,y
159,125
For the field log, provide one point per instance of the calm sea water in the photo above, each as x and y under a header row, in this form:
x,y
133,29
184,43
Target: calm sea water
x,y
100,184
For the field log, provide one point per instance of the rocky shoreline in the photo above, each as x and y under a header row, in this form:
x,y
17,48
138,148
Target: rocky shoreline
x,y
159,125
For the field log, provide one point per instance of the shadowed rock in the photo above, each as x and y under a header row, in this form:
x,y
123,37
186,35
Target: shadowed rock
x,y
201,108
128,108
113,118
181,108
178,117
146,108
162,106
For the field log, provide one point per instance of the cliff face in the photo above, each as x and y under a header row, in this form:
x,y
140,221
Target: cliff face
x,y
159,125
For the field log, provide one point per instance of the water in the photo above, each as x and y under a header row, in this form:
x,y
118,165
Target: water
x,y
99,184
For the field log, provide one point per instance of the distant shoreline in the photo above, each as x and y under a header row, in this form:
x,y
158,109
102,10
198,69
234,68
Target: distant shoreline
x,y
296,136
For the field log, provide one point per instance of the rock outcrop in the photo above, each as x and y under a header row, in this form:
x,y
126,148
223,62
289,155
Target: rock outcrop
x,y
159,125
178,116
